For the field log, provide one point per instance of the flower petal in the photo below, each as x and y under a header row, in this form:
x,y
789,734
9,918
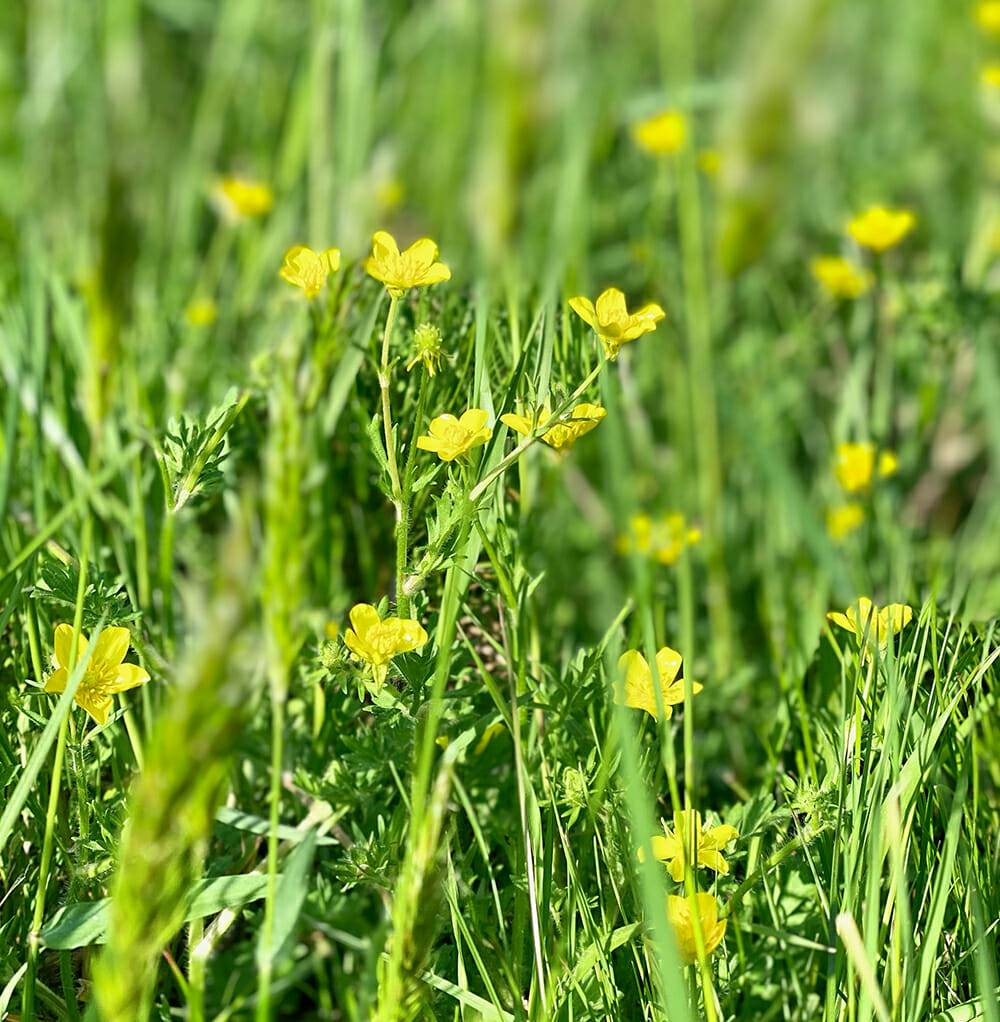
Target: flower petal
x,y
443,426
668,663
363,617
56,681
332,259
129,676
112,645
584,308
97,706
474,419
429,443
610,306
423,252
435,273
384,246
64,642
518,423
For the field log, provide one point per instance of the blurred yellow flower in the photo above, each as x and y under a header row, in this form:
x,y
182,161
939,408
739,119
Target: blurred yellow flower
x,y
662,134
988,16
450,437
990,76
613,322
710,162
880,623
844,519
376,641
564,434
308,269
840,277
201,312
426,348
238,198
488,735
663,539
681,911
879,228
854,465
400,271
105,673
708,844
638,691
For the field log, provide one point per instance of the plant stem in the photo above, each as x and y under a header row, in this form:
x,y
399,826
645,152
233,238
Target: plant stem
x,y
403,520
383,382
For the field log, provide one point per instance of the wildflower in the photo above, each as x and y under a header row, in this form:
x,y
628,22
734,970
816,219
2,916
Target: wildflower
x,y
990,76
879,624
400,271
663,539
879,228
988,16
840,277
377,641
201,312
855,466
564,434
105,673
308,269
680,912
238,198
426,348
638,688
662,134
710,162
844,519
612,321
708,844
450,437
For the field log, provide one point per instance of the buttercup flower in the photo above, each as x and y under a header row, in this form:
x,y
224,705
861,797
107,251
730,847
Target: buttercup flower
x,y
308,269
105,673
238,198
564,434
880,624
990,76
681,911
450,437
854,466
663,539
662,134
399,271
376,641
844,519
638,689
708,844
879,228
840,277
201,312
612,321
988,16
426,348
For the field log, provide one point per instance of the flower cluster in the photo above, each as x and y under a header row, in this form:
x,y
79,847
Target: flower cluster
x,y
855,467
663,539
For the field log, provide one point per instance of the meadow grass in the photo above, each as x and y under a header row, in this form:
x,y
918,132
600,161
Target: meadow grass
x,y
196,451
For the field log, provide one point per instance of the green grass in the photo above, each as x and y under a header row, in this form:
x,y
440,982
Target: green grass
x,y
254,834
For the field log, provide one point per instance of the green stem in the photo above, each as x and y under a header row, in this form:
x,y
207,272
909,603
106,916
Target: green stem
x,y
403,521
383,382
31,976
536,434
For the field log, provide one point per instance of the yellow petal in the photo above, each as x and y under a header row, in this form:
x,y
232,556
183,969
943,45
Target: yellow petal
x,y
363,617
839,619
665,847
584,308
112,645
422,251
428,443
435,273
384,246
332,258
712,858
407,634
129,676
56,681
443,426
64,642
518,423
610,306
668,663
97,706
719,837
474,419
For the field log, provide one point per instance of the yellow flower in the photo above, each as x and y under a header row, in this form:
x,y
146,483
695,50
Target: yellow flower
x,y
105,673
854,466
308,269
680,912
880,624
638,689
237,198
840,277
488,735
662,134
708,843
377,641
988,16
879,228
844,519
450,437
201,312
612,321
990,76
710,162
400,271
426,348
663,539
564,434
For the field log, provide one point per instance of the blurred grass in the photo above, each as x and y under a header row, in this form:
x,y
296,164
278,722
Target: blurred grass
x,y
501,129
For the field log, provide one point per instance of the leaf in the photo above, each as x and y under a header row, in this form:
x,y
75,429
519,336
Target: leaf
x,y
289,898
240,820
86,923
